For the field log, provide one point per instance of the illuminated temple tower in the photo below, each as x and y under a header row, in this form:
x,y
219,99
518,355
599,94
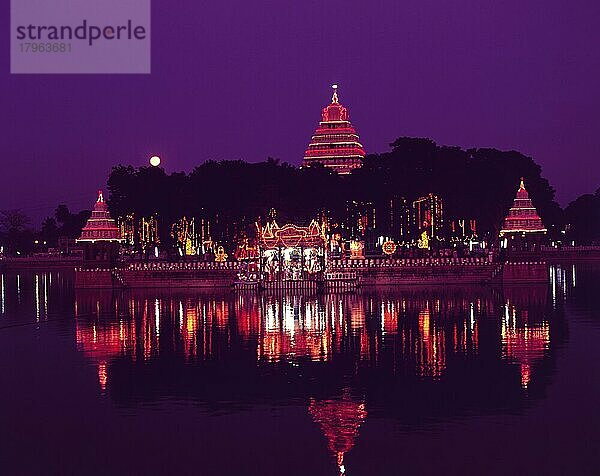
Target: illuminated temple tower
x,y
335,142
522,224
100,237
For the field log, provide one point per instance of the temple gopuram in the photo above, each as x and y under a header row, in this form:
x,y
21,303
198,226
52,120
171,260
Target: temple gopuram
x,y
101,238
522,226
335,142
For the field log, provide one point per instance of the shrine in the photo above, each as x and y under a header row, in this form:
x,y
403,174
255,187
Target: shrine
x,y
291,253
101,238
335,144
522,228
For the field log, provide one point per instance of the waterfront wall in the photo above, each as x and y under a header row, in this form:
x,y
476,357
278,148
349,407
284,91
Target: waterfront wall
x,y
341,275
390,271
161,275
571,253
525,272
98,278
39,262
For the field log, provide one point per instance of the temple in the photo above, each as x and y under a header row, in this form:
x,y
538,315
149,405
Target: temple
x,y
335,142
522,218
100,237
522,228
291,253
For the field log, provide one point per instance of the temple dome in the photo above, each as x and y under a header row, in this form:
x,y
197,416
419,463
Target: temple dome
x,y
334,111
335,143
100,226
523,216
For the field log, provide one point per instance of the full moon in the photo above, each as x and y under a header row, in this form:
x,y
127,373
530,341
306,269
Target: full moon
x,y
155,161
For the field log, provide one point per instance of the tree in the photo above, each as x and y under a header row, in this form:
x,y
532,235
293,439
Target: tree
x,y
49,232
583,219
15,232
473,183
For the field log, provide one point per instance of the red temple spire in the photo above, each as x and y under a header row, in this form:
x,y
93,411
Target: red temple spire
x,y
522,217
335,144
100,226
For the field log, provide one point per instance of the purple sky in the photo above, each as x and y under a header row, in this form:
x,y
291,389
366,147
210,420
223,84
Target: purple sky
x,y
247,80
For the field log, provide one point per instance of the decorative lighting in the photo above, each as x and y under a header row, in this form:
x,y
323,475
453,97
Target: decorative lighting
x,y
389,247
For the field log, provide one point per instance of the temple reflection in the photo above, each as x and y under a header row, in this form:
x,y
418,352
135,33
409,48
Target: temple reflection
x,y
419,345
418,332
339,419
525,331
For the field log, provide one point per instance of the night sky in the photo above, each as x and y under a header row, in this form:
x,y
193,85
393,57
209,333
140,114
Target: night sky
x,y
247,80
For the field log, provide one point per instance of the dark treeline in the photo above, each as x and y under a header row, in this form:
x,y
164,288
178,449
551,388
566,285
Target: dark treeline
x,y
18,237
474,184
582,217
63,224
233,195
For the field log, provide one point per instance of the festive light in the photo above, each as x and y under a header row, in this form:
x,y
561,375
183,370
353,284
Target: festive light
x,y
423,242
522,217
184,234
335,142
356,249
290,236
100,226
429,214
220,255
389,247
245,251
149,232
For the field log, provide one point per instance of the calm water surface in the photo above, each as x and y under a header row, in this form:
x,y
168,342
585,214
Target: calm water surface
x,y
406,381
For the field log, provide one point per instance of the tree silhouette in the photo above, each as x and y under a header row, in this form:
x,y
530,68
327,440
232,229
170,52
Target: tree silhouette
x,y
474,184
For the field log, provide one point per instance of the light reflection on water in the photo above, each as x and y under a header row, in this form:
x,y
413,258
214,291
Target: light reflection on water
x,y
407,335
414,355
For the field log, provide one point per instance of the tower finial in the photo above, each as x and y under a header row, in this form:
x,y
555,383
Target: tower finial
x,y
100,197
334,98
522,186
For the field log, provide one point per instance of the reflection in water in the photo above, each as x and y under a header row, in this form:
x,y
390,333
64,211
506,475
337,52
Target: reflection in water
x,y
416,354
562,281
411,334
26,294
339,419
420,329
524,342
101,341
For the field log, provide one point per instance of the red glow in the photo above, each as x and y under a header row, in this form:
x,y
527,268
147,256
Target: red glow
x,y
290,236
335,143
100,226
339,420
522,217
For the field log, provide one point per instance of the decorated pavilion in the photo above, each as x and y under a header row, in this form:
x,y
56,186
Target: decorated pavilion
x,y
291,252
335,144
522,226
101,236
